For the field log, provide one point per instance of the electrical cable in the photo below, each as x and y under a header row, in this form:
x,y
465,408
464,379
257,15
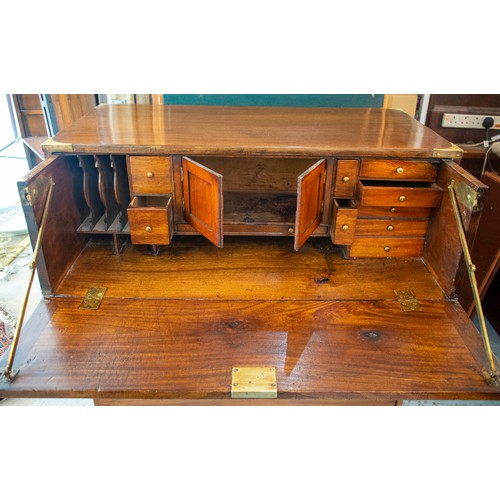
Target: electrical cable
x,y
486,160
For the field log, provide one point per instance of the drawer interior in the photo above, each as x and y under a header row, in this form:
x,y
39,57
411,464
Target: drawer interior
x,y
149,202
400,184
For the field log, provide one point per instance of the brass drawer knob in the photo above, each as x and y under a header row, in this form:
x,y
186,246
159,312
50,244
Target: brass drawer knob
x,y
393,209
345,227
148,229
400,170
402,198
387,249
150,175
390,228
290,230
346,179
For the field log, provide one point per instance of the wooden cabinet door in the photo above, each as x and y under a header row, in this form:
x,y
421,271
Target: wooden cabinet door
x,y
310,192
203,203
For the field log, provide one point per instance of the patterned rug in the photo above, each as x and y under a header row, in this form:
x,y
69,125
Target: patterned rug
x,y
4,339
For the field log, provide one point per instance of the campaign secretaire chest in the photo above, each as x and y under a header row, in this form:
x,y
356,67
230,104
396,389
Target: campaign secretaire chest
x,y
249,255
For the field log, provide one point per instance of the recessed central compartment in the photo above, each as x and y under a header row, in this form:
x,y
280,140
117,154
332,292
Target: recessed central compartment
x,y
258,191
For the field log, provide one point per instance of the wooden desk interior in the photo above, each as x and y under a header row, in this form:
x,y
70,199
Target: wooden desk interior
x,y
246,234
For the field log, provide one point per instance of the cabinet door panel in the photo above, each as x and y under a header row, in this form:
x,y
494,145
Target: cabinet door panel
x,y
203,204
310,193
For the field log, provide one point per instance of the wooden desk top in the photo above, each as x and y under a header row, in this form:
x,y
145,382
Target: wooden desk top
x,y
223,130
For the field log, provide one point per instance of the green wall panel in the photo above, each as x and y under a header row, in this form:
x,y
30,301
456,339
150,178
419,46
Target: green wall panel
x,y
297,100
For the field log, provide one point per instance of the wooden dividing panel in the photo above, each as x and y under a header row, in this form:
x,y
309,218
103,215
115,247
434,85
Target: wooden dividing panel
x,y
91,190
121,187
107,190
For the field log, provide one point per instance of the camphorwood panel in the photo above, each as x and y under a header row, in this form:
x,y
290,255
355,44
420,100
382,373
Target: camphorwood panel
x,y
394,212
346,178
392,228
150,175
185,349
310,191
399,196
386,246
398,170
343,223
443,252
218,130
247,268
203,201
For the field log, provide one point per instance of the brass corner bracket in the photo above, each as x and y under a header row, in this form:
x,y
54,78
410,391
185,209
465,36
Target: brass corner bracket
x,y
453,152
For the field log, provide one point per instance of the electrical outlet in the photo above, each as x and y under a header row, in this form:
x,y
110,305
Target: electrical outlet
x,y
452,120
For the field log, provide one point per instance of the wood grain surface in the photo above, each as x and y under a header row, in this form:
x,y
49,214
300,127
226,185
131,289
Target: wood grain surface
x,y
246,268
345,350
216,130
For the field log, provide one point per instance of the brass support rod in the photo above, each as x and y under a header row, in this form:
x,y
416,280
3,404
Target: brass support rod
x,y
471,268
9,376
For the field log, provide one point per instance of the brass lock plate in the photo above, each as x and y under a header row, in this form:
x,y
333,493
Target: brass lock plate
x,y
93,298
254,383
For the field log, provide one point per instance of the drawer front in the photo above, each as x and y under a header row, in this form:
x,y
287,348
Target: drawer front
x,y
343,226
151,221
394,212
391,227
346,178
399,196
364,246
150,175
398,170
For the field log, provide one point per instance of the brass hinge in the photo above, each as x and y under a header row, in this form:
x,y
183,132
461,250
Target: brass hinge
x,y
93,298
254,383
407,300
467,196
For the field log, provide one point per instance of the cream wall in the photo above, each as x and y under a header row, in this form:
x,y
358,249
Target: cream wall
x,y
404,102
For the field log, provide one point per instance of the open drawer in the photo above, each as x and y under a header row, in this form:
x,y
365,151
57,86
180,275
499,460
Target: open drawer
x,y
151,220
399,194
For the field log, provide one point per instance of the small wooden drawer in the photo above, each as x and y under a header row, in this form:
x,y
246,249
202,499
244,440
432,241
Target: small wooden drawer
x,y
364,246
150,175
398,170
399,194
151,220
394,212
343,224
346,178
391,227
